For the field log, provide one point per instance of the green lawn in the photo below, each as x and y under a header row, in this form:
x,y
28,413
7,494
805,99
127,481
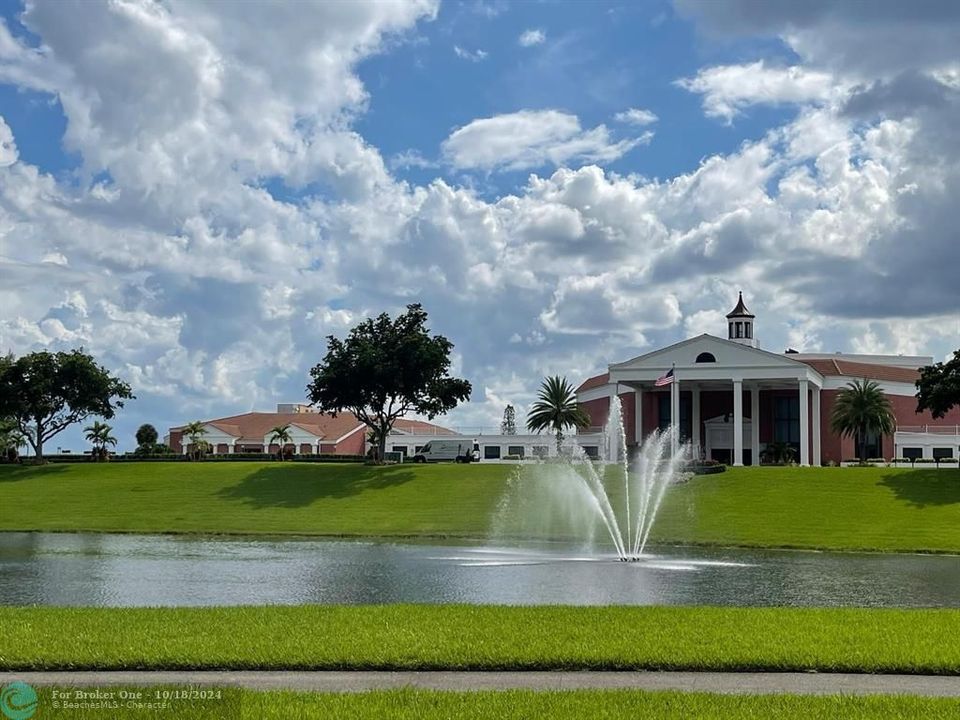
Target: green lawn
x,y
525,704
843,508
481,637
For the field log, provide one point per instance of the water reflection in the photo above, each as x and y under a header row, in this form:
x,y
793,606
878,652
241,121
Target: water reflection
x,y
141,570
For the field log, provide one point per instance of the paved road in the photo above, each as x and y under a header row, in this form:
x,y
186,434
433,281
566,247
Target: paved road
x,y
345,681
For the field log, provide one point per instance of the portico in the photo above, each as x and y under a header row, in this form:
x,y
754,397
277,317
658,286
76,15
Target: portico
x,y
730,401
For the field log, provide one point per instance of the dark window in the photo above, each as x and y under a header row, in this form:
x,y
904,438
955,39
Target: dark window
x,y
730,330
686,412
400,448
913,453
591,451
942,453
515,450
706,357
491,452
417,449
748,330
874,446
786,420
739,329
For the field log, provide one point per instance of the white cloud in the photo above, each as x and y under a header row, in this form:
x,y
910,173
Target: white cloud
x,y
8,148
532,138
728,89
410,158
636,116
471,55
529,38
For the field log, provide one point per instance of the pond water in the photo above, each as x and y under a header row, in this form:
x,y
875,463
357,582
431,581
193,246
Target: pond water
x,y
147,570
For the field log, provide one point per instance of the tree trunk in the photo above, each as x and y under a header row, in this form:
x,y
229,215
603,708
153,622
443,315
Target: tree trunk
x,y
382,444
38,442
559,441
863,444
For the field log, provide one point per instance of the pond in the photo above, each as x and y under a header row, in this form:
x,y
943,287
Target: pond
x,y
148,570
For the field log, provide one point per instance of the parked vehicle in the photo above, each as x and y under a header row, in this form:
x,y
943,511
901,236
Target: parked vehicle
x,y
457,450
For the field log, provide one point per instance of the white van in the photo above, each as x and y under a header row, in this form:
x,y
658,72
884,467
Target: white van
x,y
457,450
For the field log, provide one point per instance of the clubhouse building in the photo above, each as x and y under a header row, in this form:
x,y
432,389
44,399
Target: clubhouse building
x,y
734,401
310,432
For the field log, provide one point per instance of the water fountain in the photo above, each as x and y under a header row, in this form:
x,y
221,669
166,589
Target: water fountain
x,y
574,496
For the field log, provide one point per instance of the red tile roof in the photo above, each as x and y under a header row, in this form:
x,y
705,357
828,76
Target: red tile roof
x,y
419,426
838,367
595,381
252,427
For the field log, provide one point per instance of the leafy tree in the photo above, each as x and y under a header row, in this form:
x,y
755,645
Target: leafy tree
x,y
384,369
99,435
44,393
938,389
862,408
509,424
281,435
146,436
195,431
556,408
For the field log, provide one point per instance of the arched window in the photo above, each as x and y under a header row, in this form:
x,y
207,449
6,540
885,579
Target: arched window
x,y
706,357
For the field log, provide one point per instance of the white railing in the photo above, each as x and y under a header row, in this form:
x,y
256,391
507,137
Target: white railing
x,y
929,429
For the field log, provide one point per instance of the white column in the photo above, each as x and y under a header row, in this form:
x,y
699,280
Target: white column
x,y
816,426
804,423
695,421
755,425
738,423
638,415
675,414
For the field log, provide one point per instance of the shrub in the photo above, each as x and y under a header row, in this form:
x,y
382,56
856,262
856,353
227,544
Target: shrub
x,y
513,457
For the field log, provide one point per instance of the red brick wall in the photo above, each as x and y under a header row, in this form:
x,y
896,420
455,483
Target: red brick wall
x,y
176,438
355,444
599,412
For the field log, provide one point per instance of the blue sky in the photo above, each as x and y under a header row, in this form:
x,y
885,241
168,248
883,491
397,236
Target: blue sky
x,y
198,193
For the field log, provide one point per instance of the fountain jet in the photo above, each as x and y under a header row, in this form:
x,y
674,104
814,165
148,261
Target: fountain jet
x,y
572,496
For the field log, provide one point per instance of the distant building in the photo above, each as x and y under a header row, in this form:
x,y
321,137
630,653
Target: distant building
x,y
732,400
311,432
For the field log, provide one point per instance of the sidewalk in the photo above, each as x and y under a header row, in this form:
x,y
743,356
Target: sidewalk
x,y
359,681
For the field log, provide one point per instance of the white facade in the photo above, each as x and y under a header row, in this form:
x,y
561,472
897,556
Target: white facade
x,y
930,442
494,448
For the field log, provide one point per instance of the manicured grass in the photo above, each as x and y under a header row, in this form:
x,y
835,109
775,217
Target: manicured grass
x,y
525,704
252,497
840,508
579,704
481,637
828,508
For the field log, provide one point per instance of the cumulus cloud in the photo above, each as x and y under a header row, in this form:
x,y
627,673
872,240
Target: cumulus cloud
x,y
471,55
636,116
8,148
173,257
529,38
530,139
727,89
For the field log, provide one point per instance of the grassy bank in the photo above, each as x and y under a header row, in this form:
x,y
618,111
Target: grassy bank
x,y
841,508
482,637
520,705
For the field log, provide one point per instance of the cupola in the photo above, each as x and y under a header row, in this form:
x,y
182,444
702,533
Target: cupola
x,y
740,324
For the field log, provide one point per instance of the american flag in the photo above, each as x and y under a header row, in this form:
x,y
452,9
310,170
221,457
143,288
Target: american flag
x,y
664,379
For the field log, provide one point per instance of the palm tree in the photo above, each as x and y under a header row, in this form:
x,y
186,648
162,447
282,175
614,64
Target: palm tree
x,y
862,408
11,440
280,434
556,408
99,435
195,431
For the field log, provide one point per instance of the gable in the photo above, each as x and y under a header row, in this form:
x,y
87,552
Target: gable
x,y
728,354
